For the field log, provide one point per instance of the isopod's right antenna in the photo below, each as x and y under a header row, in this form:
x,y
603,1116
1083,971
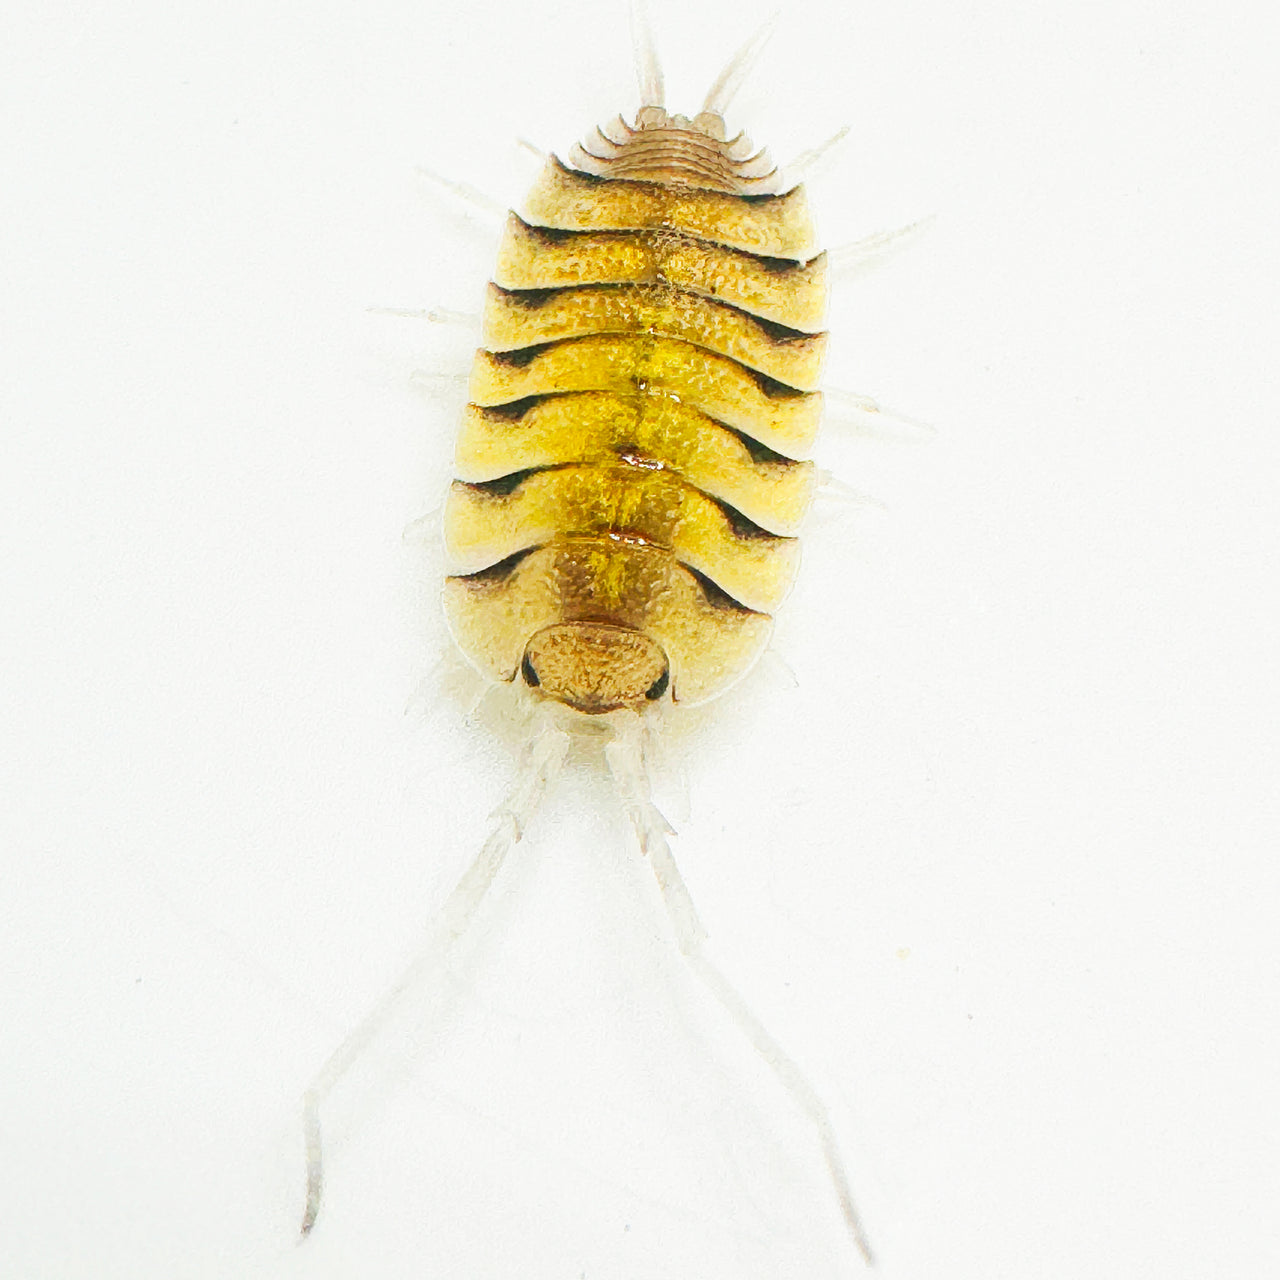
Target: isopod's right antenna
x,y
729,81
648,68
626,756
543,757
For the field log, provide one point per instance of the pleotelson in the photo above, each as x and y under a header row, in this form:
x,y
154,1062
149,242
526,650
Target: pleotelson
x,y
631,468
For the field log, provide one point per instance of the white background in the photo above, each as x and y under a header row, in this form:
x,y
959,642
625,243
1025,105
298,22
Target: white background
x,y
1001,869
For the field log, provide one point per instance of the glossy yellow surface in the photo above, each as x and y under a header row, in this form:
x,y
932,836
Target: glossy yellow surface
x,y
781,418
655,506
519,319
773,226
601,426
708,646
787,292
632,463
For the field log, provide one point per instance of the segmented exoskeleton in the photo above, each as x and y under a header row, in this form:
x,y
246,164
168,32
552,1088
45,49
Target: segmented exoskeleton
x,y
630,480
631,476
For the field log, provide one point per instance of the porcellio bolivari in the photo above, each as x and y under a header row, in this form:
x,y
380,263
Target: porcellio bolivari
x,y
631,471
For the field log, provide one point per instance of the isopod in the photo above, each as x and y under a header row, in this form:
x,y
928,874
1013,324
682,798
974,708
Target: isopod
x,y
632,470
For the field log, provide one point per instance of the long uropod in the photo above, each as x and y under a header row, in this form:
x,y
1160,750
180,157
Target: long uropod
x,y
632,470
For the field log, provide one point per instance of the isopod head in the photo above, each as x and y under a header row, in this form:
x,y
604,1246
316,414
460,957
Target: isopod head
x,y
595,666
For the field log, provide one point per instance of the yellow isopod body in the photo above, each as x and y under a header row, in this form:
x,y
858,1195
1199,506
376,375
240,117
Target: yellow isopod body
x,y
632,465
631,473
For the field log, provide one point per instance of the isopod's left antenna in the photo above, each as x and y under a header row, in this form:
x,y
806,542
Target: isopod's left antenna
x,y
626,756
539,765
648,68
729,81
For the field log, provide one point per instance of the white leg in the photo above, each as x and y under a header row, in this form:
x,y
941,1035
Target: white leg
x,y
533,149
870,251
426,531
626,763
540,764
804,164
437,315
868,416
473,196
433,382
829,488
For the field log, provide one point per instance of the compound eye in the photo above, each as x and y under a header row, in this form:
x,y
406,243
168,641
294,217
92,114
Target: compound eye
x,y
658,687
530,675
